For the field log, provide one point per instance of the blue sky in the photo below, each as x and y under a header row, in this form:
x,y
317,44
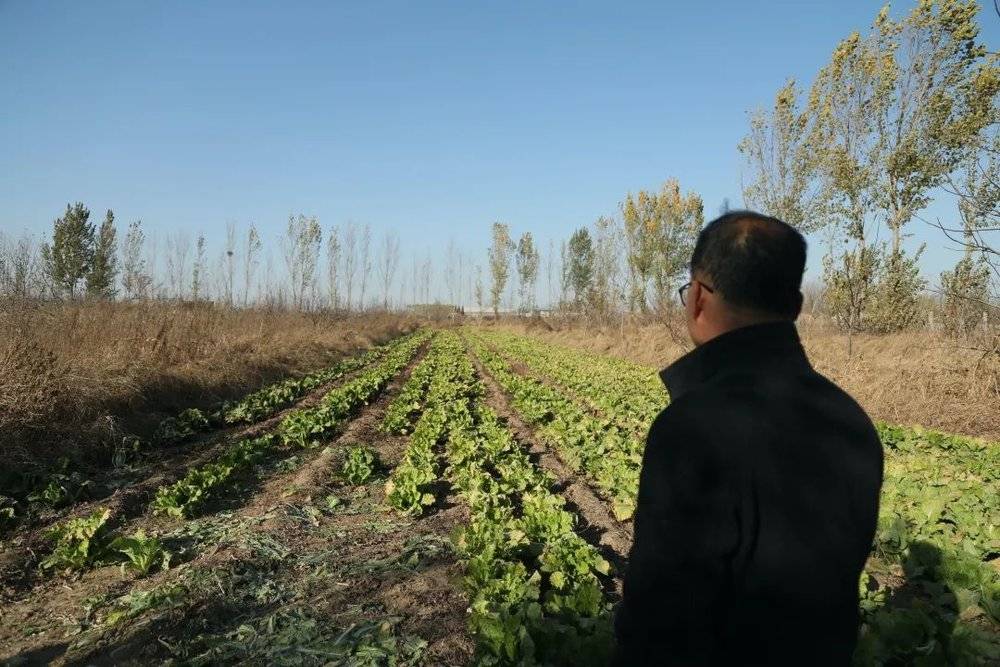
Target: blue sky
x,y
432,118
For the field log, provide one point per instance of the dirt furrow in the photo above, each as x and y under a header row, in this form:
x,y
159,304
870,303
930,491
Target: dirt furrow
x,y
390,576
362,429
160,467
613,537
20,553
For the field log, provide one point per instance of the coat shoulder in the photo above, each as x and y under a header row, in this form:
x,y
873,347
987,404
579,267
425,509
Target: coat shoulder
x,y
700,422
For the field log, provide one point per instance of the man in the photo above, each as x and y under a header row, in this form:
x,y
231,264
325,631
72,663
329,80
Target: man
x,y
759,490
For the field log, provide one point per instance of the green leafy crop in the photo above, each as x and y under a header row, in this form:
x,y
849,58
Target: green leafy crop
x,y
79,542
184,425
533,582
939,523
298,428
142,553
266,401
359,465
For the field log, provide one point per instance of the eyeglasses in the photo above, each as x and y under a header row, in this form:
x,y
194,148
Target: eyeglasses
x,y
682,292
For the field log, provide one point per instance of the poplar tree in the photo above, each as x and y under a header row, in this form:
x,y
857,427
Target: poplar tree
x,y
69,258
136,279
966,289
388,263
198,272
660,232
581,264
229,264
605,289
886,122
103,271
500,250
332,265
783,164
526,260
251,259
301,247
478,288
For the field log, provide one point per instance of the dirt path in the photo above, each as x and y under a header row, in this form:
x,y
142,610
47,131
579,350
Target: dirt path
x,y
332,556
613,537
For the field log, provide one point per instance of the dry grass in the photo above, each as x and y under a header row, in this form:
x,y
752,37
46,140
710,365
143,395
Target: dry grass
x,y
913,378
72,372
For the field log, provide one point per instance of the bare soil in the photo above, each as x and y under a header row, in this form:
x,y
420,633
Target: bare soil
x,y
612,537
294,560
131,490
292,563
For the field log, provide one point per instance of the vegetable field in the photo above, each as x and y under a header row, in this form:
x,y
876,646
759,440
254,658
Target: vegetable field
x,y
457,496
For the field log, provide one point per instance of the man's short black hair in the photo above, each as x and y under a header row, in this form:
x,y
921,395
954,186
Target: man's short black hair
x,y
753,261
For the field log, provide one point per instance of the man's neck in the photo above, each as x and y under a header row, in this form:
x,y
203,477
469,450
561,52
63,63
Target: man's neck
x,y
768,345
733,323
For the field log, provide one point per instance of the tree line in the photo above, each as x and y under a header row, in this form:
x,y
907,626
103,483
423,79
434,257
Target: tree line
x,y
899,116
632,261
82,260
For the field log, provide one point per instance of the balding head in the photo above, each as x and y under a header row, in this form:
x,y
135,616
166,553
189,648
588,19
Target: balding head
x,y
754,262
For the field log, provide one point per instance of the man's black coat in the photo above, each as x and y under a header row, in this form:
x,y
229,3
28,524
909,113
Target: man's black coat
x,y
757,505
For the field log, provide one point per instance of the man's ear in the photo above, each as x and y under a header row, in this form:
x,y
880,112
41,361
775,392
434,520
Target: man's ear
x,y
697,294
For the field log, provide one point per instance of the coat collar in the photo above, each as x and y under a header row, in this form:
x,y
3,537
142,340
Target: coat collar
x,y
757,346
